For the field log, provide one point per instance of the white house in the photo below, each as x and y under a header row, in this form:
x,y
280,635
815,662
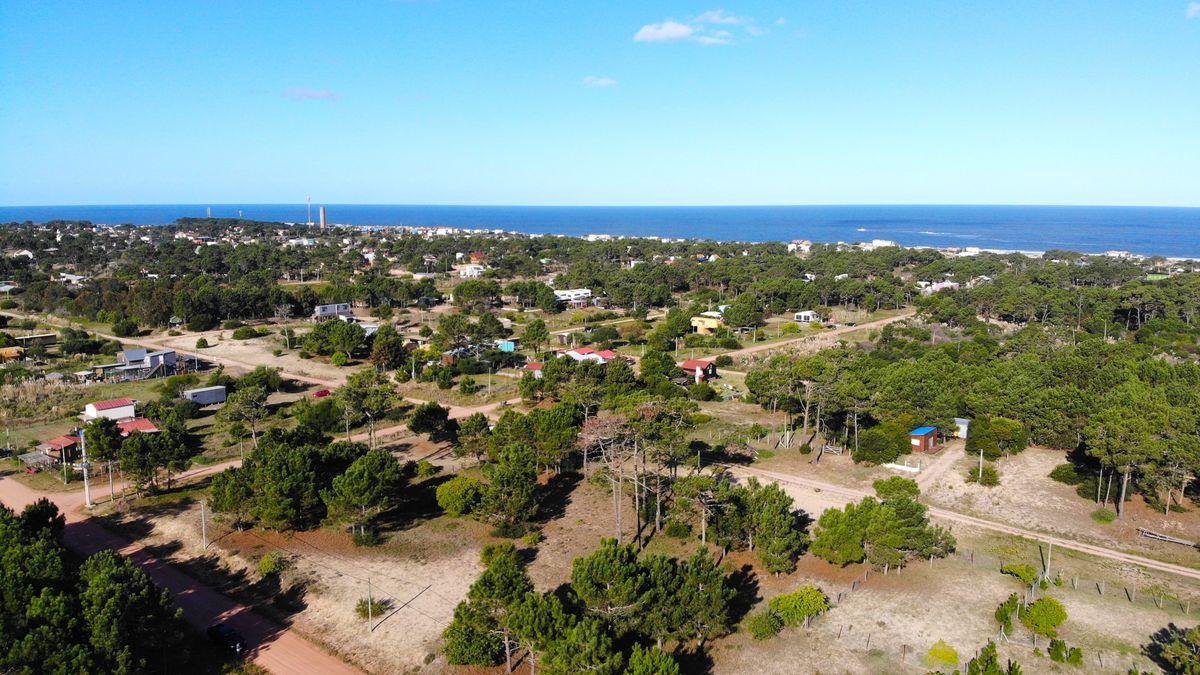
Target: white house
x,y
113,409
322,312
573,295
806,316
471,271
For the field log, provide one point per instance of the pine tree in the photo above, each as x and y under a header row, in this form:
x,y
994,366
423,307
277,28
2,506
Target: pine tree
x,y
611,582
585,648
775,532
508,498
651,661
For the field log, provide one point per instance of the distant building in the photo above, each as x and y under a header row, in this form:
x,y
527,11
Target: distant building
x,y
940,286
60,448
924,439
699,369
806,316
962,426
113,409
206,395
508,344
705,324
471,271
331,311
535,367
139,424
575,297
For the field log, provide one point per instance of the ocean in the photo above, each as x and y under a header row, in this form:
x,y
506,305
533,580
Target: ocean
x,y
1167,231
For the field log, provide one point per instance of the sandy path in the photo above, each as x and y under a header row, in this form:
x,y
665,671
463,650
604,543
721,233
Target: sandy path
x,y
845,495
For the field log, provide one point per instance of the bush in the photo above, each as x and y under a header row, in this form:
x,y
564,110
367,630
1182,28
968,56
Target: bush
x,y
232,324
277,352
678,529
1068,474
339,359
1104,516
174,333
533,538
1075,656
989,478
125,328
245,333
896,487
806,449
763,625
723,361
880,446
1026,573
426,469
1005,611
271,563
369,608
304,354
459,495
201,343
941,655
793,608
468,385
8,303
1057,651
1044,616
702,391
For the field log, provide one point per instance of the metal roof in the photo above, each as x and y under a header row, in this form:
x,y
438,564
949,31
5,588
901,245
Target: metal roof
x,y
921,431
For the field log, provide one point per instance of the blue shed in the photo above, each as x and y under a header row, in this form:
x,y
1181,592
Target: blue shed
x,y
924,439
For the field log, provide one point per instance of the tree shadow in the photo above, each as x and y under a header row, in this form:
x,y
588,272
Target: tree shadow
x,y
418,503
554,497
694,660
744,583
1158,644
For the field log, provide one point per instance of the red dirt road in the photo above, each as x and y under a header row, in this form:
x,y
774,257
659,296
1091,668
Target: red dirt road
x,y
273,647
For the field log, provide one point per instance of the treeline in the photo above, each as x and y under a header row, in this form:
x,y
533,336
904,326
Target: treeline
x,y
1125,410
60,614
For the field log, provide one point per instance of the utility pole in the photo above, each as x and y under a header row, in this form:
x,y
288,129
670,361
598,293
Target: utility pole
x,y
370,602
203,525
87,483
980,465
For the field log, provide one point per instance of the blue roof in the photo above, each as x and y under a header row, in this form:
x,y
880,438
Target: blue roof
x,y
921,431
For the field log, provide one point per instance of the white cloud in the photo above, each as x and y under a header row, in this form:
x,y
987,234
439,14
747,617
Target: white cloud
x,y
594,81
304,94
780,21
720,16
667,31
1192,11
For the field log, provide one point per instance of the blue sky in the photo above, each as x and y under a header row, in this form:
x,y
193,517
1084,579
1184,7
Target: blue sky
x,y
455,102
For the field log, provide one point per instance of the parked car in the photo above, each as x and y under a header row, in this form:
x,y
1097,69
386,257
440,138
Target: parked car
x,y
230,638
321,393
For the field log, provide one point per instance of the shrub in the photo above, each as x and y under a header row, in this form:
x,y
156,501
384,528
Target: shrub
x,y
468,385
1075,656
533,538
941,655
702,391
8,303
372,608
459,495
989,478
880,446
271,563
678,529
1005,611
763,625
1043,616
174,333
339,359
245,333
304,354
201,343
1067,473
723,361
1057,651
1104,516
806,449
793,608
277,352
125,328
895,487
1026,573
232,324
426,469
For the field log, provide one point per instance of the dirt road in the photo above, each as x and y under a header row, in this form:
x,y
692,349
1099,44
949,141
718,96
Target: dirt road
x,y
273,647
831,493
822,339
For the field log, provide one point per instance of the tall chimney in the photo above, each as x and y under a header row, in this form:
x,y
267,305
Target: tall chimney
x,y
322,217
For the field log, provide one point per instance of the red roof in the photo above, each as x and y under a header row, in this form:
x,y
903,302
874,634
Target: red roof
x,y
607,354
62,442
583,350
112,403
533,365
692,364
138,424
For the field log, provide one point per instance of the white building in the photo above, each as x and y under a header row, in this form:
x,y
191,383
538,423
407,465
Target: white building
x,y
573,294
322,312
113,409
471,271
806,316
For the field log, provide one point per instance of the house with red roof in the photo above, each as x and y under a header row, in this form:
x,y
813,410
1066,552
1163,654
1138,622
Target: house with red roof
x,y
113,409
699,369
56,447
140,424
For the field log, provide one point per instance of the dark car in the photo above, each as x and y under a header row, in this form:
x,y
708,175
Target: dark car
x,y
321,393
230,638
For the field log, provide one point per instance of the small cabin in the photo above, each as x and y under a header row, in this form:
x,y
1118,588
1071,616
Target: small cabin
x,y
699,369
806,316
924,439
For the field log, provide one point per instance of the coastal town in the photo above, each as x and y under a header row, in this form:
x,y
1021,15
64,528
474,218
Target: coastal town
x,y
368,449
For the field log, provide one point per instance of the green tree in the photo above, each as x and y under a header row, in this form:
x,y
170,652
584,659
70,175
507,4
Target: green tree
x,y
459,495
988,663
232,492
535,334
611,582
798,606
366,489
1119,437
508,499
428,418
369,393
1043,616
473,637
103,439
247,404
651,661
537,621
585,648
1179,648
774,528
889,489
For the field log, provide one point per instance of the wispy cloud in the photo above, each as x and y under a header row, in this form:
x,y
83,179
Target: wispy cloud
x,y
594,81
706,29
667,31
1192,11
305,94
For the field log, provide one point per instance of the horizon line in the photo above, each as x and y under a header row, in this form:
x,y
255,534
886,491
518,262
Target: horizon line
x,y
618,206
